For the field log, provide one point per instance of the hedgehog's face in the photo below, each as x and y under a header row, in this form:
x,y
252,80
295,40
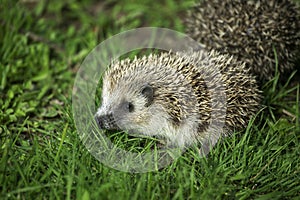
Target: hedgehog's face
x,y
127,109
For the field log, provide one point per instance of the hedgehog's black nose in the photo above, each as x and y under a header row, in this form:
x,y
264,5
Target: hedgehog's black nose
x,y
101,121
106,122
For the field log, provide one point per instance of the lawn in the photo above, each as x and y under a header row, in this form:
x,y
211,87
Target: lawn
x,y
42,45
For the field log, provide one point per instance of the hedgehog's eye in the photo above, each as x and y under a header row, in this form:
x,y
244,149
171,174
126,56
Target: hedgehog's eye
x,y
129,106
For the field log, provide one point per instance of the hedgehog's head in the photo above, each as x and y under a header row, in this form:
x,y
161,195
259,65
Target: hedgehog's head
x,y
125,107
129,103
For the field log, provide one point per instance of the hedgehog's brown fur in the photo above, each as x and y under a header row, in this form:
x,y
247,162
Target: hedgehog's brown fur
x,y
250,30
182,104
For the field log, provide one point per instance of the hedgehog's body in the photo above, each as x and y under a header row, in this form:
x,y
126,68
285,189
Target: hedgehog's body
x,y
171,95
250,30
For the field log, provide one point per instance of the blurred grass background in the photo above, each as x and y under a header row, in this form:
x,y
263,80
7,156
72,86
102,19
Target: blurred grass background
x,y
42,44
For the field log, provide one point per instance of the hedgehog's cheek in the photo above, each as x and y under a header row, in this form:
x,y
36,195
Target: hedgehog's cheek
x,y
145,117
140,119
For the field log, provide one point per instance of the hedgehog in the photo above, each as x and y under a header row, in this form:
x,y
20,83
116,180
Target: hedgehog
x,y
251,30
185,98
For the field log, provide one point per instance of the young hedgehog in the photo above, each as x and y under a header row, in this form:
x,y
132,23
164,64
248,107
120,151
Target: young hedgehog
x,y
249,30
173,96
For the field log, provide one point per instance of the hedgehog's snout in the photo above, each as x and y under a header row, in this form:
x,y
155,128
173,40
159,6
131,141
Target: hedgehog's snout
x,y
106,122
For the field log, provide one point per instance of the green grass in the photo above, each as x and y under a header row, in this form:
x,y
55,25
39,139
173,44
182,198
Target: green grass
x,y
42,45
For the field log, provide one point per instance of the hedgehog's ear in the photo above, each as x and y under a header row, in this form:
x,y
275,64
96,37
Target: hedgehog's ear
x,y
147,91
